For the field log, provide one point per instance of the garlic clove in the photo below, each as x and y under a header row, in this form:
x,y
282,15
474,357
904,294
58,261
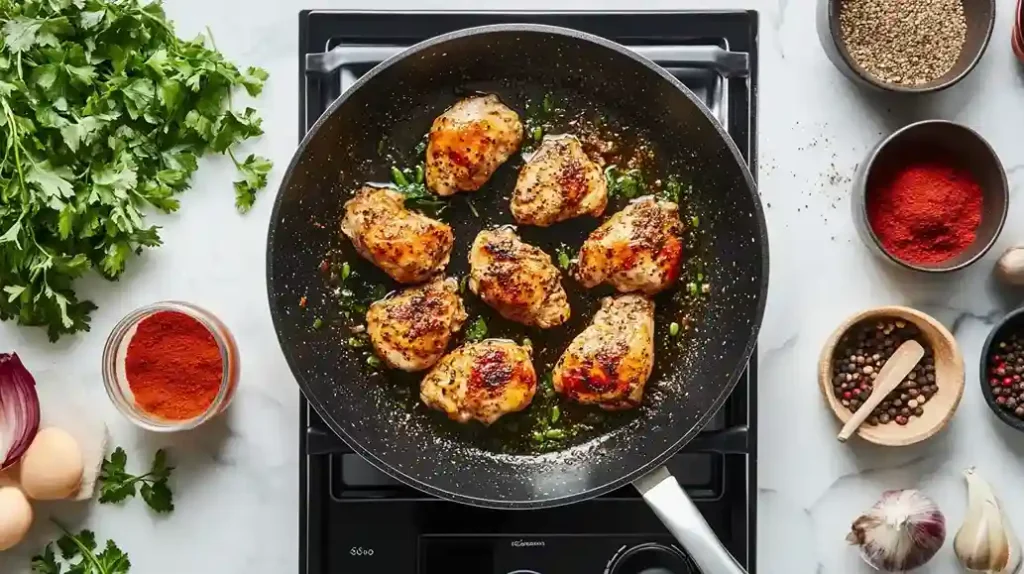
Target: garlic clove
x,y
1010,267
986,541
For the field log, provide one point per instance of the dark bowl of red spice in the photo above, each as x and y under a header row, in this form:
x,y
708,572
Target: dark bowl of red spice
x,y
170,366
1002,370
931,197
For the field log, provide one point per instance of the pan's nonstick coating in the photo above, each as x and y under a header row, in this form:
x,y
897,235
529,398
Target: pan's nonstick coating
x,y
395,103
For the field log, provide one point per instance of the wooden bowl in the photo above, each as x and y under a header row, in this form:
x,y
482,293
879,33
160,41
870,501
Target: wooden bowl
x,y
949,376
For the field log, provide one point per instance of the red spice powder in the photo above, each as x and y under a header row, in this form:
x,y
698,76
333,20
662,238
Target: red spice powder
x,y
173,366
926,210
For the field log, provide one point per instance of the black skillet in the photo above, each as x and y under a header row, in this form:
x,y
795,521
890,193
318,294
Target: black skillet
x,y
379,122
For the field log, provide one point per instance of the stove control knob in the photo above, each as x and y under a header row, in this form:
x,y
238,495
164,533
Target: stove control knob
x,y
652,558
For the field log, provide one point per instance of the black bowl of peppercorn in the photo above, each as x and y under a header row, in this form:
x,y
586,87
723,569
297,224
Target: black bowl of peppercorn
x,y
931,197
1002,370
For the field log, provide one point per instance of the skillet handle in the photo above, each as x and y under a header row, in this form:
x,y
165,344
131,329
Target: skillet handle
x,y
675,509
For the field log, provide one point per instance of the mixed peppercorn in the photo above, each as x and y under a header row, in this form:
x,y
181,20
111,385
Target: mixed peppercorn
x,y
860,355
1005,369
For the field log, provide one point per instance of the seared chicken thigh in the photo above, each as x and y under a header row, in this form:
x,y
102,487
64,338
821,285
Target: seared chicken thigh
x,y
558,183
637,249
408,246
481,381
609,362
468,142
410,330
517,279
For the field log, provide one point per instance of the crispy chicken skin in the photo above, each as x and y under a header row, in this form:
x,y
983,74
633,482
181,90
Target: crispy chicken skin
x,y
468,142
481,381
408,246
638,249
411,329
609,362
517,279
559,182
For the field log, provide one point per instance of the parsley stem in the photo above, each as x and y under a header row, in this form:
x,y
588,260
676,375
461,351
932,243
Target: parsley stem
x,y
86,553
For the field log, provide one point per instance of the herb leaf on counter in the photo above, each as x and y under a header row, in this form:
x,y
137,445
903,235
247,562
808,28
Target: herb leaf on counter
x,y
78,555
98,125
117,485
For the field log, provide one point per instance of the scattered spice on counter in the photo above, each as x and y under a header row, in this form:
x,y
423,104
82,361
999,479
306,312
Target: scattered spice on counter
x,y
1005,370
926,210
173,366
904,42
860,355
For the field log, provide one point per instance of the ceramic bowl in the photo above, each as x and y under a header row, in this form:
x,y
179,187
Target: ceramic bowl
x,y
1012,323
980,16
953,140
949,376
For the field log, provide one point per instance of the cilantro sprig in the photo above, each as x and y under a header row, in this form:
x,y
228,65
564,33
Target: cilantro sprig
x,y
80,554
477,330
117,485
104,113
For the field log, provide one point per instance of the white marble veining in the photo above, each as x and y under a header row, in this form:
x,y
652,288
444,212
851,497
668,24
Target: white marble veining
x,y
237,480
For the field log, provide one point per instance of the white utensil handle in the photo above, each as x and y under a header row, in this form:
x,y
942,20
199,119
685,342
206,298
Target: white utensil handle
x,y
675,509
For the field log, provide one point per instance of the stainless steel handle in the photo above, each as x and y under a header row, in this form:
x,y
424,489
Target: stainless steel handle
x,y
669,501
729,64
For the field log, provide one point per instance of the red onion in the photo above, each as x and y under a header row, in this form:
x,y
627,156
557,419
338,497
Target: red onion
x,y
19,409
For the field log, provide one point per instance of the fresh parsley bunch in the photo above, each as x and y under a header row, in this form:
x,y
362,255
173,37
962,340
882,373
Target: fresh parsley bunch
x,y
104,112
79,554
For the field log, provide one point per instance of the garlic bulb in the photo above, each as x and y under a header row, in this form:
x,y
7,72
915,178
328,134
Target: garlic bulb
x,y
902,531
1010,267
985,541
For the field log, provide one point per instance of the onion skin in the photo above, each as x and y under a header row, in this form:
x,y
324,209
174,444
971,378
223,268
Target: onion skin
x,y
19,408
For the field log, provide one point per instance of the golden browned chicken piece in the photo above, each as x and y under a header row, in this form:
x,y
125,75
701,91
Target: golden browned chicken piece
x,y
408,246
609,362
638,249
558,183
517,279
468,142
481,381
410,330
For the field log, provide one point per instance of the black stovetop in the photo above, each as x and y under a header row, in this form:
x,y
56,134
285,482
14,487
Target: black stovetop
x,y
356,520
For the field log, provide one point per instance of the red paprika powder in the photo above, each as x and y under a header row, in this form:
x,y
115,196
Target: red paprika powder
x,y
924,210
173,366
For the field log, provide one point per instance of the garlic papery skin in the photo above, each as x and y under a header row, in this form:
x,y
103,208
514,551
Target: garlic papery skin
x,y
902,531
985,541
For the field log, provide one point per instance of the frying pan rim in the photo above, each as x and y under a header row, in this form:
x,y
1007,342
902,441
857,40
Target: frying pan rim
x,y
639,470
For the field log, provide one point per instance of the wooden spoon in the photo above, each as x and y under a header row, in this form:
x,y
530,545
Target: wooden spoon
x,y
895,369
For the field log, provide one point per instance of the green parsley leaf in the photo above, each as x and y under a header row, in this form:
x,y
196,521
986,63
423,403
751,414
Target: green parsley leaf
x,y
117,485
477,330
104,113
254,172
78,556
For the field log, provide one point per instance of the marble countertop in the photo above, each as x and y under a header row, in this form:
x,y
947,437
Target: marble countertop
x,y
236,485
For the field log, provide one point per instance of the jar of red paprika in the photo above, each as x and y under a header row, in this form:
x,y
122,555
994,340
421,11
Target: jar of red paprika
x,y
170,366
931,197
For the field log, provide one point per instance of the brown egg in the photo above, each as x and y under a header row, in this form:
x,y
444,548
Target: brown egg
x,y
52,467
15,516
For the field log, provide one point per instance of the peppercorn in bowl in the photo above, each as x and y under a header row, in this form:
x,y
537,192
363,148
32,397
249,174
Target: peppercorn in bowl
x,y
1002,370
925,399
170,366
931,197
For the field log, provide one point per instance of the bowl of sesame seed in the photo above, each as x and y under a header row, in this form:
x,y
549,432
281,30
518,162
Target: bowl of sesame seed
x,y
905,46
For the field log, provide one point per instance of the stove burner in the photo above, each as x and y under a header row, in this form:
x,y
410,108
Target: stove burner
x,y
356,519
